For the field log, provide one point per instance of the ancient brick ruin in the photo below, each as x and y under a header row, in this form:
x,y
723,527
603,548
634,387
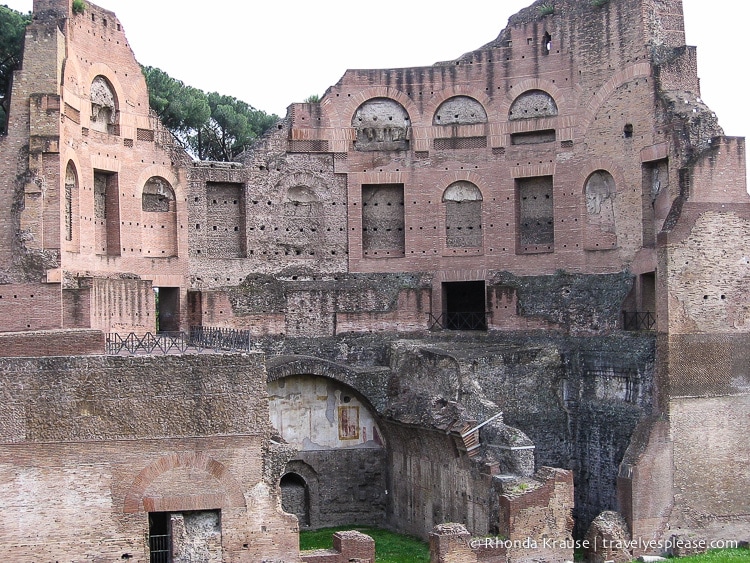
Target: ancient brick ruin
x,y
503,291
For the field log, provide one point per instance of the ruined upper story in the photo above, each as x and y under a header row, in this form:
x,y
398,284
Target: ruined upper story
x,y
568,143
556,146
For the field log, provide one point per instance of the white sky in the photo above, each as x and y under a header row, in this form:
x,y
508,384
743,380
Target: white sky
x,y
273,53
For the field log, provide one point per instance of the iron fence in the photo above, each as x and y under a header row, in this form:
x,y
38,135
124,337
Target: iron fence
x,y
638,320
197,339
472,320
160,549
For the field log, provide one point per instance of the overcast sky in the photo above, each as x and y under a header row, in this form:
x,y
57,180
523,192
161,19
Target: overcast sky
x,y
273,53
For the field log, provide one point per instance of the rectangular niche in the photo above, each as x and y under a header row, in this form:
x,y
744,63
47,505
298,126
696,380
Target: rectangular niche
x,y
533,137
106,213
535,215
225,217
383,220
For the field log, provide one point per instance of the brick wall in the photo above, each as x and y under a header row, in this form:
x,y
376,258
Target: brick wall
x,y
30,306
88,446
51,343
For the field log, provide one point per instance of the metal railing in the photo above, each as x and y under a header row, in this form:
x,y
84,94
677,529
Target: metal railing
x,y
197,339
160,548
472,320
638,320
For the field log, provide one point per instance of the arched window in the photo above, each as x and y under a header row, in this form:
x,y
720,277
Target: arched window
x,y
532,104
463,215
460,110
600,191
103,106
160,218
381,124
71,199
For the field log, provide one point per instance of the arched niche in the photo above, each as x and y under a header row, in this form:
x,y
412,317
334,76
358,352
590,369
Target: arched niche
x,y
381,124
532,104
158,204
600,192
71,202
295,497
104,108
158,196
460,110
463,215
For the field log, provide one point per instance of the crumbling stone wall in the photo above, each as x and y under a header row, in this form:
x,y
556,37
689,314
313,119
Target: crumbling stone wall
x,y
426,488
303,303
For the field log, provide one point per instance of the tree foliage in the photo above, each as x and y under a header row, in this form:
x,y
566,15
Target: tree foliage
x,y
12,31
210,126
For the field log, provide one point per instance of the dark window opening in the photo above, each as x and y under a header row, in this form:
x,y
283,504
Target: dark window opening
x,y
628,131
464,306
546,43
167,309
159,537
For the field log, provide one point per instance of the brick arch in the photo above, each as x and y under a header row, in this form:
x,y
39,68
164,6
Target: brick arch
x,y
101,69
312,482
66,156
461,175
163,172
563,104
450,178
460,90
345,111
233,496
376,384
595,164
640,70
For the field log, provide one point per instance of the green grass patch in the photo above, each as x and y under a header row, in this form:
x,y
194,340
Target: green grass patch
x,y
389,546
719,556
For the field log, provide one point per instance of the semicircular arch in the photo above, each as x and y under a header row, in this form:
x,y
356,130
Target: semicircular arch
x,y
443,96
345,111
374,394
528,85
232,496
